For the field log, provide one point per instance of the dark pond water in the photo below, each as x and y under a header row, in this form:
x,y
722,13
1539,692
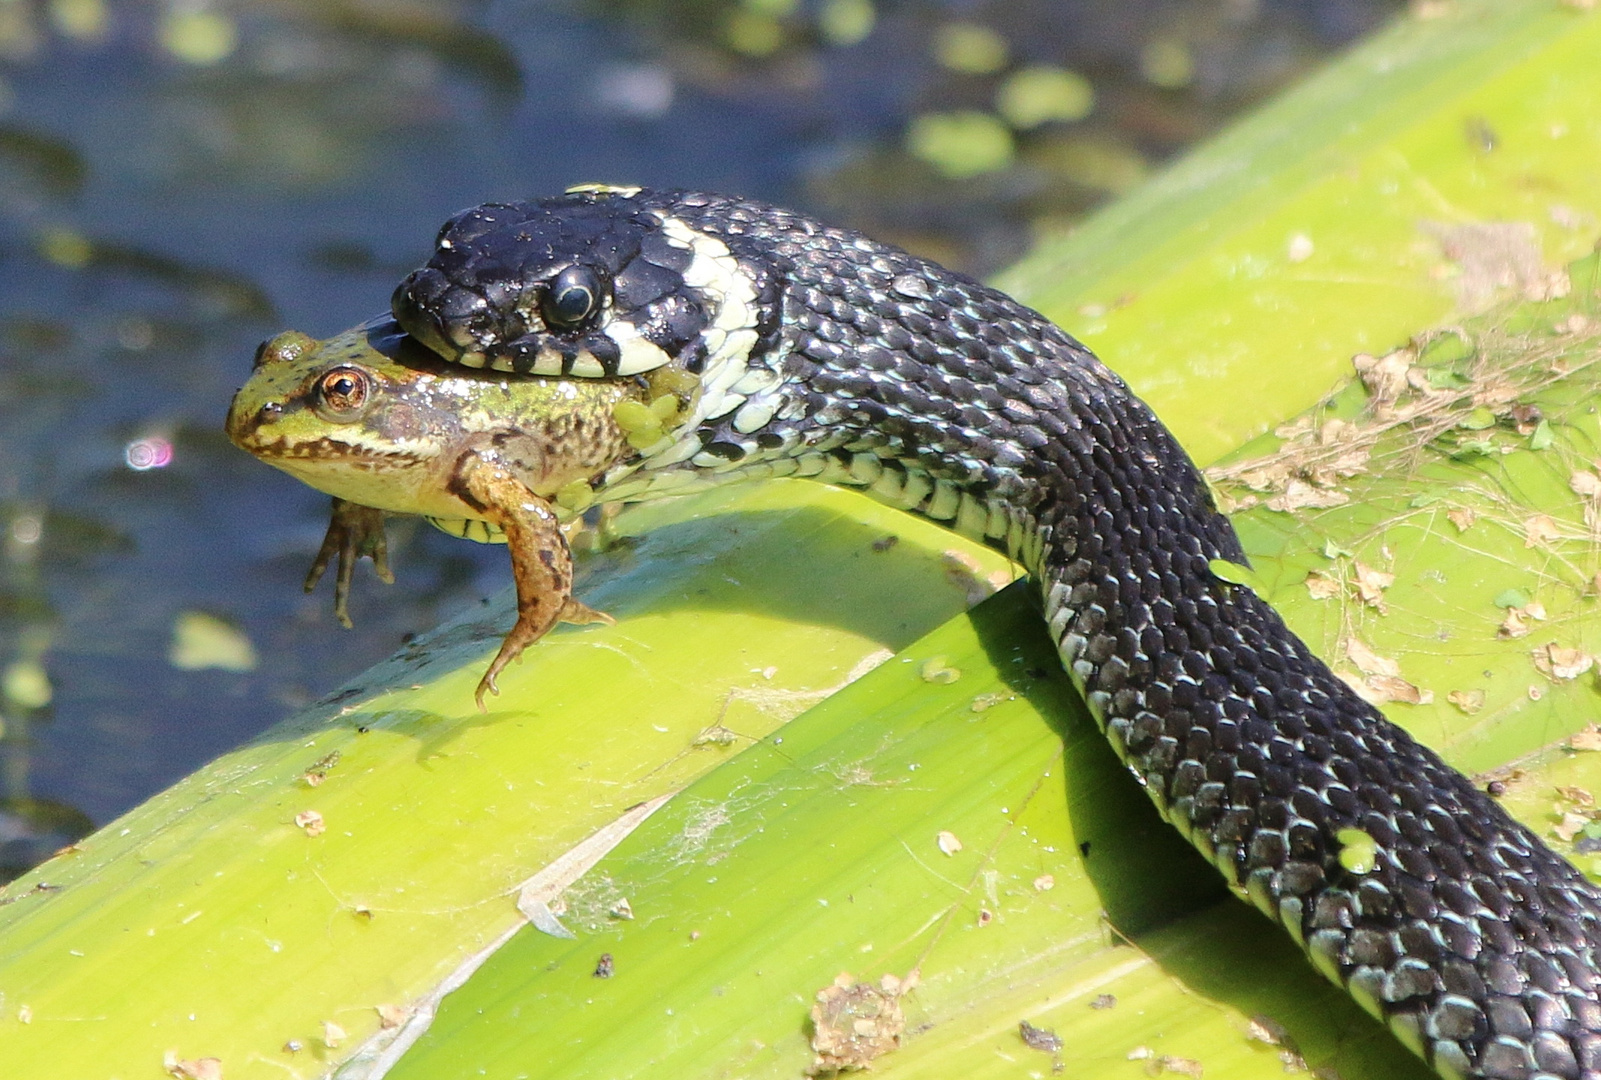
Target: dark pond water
x,y
179,179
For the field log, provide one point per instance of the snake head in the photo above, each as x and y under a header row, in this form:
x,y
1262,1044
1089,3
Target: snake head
x,y
594,283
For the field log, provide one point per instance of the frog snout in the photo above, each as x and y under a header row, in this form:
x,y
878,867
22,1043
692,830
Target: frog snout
x,y
246,418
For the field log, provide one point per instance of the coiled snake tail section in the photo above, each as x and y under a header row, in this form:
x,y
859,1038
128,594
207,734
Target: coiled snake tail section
x,y
1470,938
819,352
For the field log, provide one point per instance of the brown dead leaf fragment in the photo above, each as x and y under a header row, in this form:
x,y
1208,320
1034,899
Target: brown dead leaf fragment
x,y
332,1034
1513,626
1370,585
1042,1039
1469,701
854,1023
1578,796
1381,682
1157,1064
1387,688
1539,529
207,1068
1462,517
1586,484
1265,1029
392,1016
1367,661
1273,477
318,772
1497,256
1588,739
1300,495
1322,586
1516,623
311,822
1560,663
1571,825
964,571
1525,417
1384,377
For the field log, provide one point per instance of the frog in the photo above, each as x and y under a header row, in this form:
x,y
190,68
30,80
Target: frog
x,y
386,426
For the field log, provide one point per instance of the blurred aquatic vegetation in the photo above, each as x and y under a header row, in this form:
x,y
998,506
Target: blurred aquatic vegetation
x,y
961,129
41,162
212,293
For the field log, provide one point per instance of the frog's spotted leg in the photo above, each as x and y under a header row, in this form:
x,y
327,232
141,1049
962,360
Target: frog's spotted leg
x,y
541,563
353,531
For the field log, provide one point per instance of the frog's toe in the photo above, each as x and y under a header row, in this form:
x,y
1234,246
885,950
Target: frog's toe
x,y
576,611
486,685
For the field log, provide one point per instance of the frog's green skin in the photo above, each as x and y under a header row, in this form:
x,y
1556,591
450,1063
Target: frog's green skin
x,y
382,424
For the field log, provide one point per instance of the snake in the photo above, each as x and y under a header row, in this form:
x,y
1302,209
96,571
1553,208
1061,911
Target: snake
x,y
806,350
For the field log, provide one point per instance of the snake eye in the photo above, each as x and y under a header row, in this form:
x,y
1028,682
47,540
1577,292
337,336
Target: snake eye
x,y
342,393
572,298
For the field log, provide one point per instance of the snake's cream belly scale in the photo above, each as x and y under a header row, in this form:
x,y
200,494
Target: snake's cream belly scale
x,y
756,342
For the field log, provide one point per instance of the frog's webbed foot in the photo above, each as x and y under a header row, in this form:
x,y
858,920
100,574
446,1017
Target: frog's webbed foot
x,y
541,563
353,531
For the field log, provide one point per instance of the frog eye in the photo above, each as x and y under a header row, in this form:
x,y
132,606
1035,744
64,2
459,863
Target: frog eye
x,y
343,392
572,298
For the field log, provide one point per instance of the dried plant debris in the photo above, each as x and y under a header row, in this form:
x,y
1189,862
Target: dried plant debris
x,y
1158,1064
853,1023
1380,681
1493,257
1578,820
206,1068
1460,393
1560,663
1351,578
1265,1029
1042,1039
1468,452
318,772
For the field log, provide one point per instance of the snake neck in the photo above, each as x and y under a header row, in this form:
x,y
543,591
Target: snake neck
x,y
861,365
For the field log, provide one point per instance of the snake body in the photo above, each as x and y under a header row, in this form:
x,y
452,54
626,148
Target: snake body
x,y
818,352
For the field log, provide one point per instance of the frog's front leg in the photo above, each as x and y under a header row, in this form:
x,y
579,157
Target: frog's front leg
x,y
353,531
541,563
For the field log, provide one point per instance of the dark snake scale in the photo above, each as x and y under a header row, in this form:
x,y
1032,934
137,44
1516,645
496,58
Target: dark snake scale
x,y
821,353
